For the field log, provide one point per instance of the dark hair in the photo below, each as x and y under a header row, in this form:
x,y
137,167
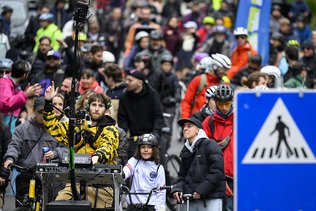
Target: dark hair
x,y
115,72
256,59
298,67
87,72
45,38
102,97
155,157
291,52
96,48
19,68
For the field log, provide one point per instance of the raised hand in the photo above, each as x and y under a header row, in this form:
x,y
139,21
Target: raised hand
x,y
33,90
51,92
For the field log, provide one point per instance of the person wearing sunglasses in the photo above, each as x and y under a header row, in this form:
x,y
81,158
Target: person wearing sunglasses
x,y
254,65
241,53
219,127
309,58
52,71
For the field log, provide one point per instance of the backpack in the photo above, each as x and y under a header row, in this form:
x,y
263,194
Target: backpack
x,y
223,142
201,86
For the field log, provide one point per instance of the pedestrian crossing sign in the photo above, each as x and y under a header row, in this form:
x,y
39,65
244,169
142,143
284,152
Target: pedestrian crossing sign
x,y
275,148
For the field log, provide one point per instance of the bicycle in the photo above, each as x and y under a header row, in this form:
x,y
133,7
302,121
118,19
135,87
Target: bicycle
x,y
172,167
142,206
33,200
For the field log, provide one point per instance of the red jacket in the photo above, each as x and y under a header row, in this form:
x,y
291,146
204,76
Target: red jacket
x,y
223,128
200,100
95,86
11,98
240,58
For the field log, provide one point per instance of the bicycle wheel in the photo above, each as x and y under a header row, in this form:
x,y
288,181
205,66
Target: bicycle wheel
x,y
173,166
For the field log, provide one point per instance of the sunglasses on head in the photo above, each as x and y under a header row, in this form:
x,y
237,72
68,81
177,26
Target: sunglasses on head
x,y
240,37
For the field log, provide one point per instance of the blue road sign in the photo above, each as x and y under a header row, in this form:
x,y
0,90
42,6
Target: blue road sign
x,y
275,148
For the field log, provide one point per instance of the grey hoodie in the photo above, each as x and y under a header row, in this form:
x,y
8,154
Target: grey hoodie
x,y
27,135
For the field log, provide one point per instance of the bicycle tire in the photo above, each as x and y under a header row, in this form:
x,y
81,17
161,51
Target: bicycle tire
x,y
173,166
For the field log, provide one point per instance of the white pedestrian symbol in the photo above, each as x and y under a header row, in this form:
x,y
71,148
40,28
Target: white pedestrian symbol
x,y
279,140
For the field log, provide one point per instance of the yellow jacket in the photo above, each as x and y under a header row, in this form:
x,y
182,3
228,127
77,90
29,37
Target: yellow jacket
x,y
105,146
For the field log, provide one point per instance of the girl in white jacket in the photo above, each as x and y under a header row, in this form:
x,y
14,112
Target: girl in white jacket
x,y
146,174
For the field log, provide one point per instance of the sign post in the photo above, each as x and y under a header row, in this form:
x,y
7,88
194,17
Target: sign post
x,y
275,147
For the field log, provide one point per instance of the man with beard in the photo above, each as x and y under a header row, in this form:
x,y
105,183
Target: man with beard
x,y
217,43
140,109
52,71
99,138
38,60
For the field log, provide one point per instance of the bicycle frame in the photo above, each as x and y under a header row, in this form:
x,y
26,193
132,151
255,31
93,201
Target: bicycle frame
x,y
33,200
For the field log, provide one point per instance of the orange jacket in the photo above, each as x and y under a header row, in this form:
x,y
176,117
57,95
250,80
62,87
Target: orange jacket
x,y
240,58
200,100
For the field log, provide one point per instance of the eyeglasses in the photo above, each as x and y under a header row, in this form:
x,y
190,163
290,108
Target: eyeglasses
x,y
240,37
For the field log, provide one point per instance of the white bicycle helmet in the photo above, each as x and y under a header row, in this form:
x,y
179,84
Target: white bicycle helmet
x,y
271,70
210,92
141,35
240,31
206,64
220,60
108,57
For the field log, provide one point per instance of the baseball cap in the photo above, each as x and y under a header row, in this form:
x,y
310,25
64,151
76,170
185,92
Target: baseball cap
x,y
6,64
39,103
136,74
6,8
53,53
192,120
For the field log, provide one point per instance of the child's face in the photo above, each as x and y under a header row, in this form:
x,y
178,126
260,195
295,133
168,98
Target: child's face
x,y
166,67
146,151
87,81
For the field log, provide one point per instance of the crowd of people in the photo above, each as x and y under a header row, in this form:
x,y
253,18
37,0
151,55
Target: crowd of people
x,y
138,60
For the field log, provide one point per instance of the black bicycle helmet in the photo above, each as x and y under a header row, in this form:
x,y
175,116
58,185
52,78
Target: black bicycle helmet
x,y
148,139
166,58
224,93
143,57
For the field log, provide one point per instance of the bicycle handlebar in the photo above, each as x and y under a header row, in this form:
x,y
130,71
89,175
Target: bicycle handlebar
x,y
19,168
156,189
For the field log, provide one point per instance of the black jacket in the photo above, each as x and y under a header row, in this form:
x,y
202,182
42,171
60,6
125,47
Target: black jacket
x,y
5,138
141,113
202,171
